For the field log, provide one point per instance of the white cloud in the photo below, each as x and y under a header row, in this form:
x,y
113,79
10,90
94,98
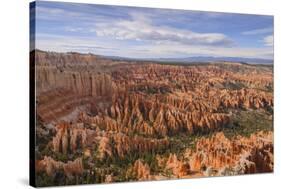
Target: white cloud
x,y
163,50
141,28
258,31
62,43
49,13
74,29
268,40
166,50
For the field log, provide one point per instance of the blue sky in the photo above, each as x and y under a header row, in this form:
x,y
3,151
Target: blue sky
x,y
151,33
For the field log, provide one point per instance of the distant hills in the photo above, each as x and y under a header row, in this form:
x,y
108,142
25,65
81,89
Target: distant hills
x,y
218,59
200,59
194,59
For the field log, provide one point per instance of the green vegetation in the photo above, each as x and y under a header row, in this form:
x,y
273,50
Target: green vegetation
x,y
246,123
233,85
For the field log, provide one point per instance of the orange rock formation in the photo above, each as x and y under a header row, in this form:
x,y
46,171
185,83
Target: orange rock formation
x,y
51,167
242,155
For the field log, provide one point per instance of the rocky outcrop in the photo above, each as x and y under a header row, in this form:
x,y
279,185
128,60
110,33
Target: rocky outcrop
x,y
68,91
68,138
104,148
140,171
72,168
124,144
51,167
240,156
48,165
71,137
245,98
178,168
53,58
55,104
72,71
65,81
109,179
150,117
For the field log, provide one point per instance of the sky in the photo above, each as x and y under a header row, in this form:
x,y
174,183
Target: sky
x,y
150,33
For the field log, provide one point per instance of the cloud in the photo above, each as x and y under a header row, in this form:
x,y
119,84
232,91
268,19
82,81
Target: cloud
x,y
74,29
167,50
268,40
64,43
151,50
141,28
87,47
67,15
45,13
258,31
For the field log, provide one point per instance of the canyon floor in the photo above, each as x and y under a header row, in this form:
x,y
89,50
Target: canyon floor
x,y
102,120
